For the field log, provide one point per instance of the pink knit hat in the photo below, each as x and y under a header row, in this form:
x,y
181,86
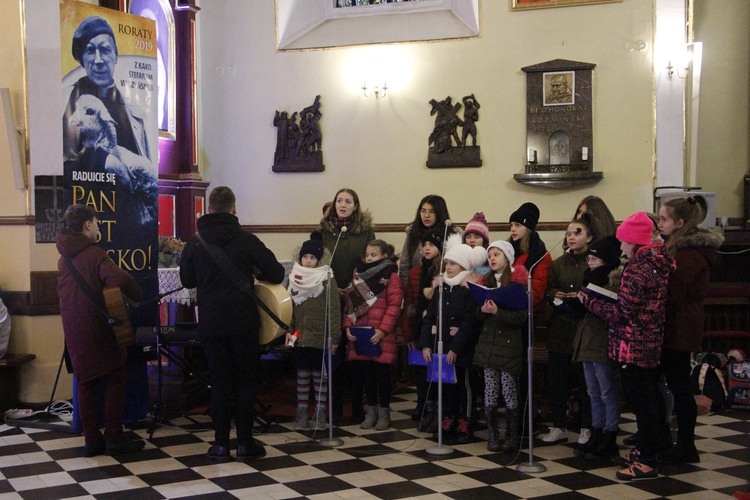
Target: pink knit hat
x,y
478,225
636,229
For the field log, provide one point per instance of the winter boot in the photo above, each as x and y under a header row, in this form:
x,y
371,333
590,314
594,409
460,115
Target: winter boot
x,y
384,419
512,435
321,419
428,419
371,417
607,448
449,428
682,453
464,430
493,435
435,422
580,450
301,421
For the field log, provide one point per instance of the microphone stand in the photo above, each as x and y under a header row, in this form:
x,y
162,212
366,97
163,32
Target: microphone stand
x,y
330,442
440,449
530,467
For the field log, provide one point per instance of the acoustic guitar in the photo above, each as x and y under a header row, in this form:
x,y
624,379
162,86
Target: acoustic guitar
x,y
277,299
119,315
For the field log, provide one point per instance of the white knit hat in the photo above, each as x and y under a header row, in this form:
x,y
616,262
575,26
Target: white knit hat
x,y
506,248
465,256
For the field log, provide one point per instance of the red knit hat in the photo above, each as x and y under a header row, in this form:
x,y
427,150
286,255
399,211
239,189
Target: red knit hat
x,y
636,229
478,225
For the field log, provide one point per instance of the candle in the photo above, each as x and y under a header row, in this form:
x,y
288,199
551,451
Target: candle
x,y
532,155
584,153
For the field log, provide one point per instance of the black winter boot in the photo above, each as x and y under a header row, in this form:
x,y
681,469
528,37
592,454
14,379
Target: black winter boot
x,y
593,443
429,418
607,448
493,434
512,434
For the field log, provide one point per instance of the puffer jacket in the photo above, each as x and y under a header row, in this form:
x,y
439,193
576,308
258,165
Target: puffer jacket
x,y
500,343
309,318
592,335
696,253
540,261
351,246
566,275
410,316
458,311
382,315
636,319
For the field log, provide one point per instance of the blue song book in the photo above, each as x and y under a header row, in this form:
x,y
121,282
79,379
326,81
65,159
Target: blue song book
x,y
512,297
363,345
449,371
414,357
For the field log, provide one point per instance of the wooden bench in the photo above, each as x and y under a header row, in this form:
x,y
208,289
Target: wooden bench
x,y
727,323
10,366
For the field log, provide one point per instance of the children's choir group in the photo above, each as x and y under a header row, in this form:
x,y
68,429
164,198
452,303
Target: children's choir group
x,y
655,265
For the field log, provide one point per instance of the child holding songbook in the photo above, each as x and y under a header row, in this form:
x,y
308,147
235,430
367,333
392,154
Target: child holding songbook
x,y
373,299
419,290
590,349
308,286
636,330
458,332
500,348
564,281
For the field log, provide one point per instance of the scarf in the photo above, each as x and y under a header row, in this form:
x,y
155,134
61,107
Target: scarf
x,y
338,222
307,283
456,280
537,249
369,281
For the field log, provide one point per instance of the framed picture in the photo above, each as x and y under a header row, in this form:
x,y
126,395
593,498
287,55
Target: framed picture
x,y
559,88
543,4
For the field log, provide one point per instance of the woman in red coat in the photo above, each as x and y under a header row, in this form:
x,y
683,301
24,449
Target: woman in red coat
x,y
373,299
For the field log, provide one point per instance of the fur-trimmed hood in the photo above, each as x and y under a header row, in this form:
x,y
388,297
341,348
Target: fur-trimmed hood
x,y
365,224
701,237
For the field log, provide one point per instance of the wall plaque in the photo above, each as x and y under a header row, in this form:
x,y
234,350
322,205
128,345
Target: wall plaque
x,y
559,131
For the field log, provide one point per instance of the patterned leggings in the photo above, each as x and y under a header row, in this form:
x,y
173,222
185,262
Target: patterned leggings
x,y
304,377
493,378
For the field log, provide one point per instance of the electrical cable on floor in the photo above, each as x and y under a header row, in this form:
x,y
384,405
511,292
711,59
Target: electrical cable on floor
x,y
60,408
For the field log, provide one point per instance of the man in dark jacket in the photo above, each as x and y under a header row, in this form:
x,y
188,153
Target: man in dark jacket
x,y
228,319
94,353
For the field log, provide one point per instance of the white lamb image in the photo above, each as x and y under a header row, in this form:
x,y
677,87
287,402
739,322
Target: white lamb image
x,y
133,172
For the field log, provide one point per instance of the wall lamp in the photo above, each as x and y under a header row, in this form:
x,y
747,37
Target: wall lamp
x,y
681,71
683,61
378,91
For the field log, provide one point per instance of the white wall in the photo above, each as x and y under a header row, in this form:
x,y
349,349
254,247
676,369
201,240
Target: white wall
x,y
724,133
379,148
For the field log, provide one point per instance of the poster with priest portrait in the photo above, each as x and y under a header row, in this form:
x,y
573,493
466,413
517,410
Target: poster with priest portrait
x,y
110,134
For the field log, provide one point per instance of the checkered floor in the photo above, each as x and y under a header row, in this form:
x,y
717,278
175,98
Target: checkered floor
x,y
36,463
